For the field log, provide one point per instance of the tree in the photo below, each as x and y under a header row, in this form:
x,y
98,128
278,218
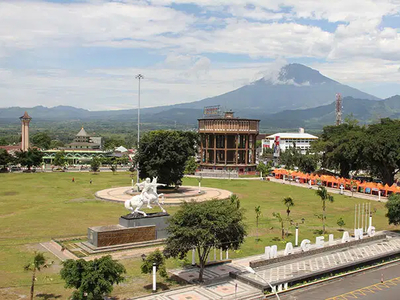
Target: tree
x,y
191,165
111,143
41,140
343,147
55,144
322,192
322,218
123,160
30,158
263,168
288,201
308,162
95,164
39,262
163,153
156,258
280,220
393,207
340,222
5,158
381,149
113,168
92,279
290,157
59,159
234,199
258,214
203,226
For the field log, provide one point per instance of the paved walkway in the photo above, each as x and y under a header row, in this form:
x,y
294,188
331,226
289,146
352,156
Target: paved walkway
x,y
55,248
189,193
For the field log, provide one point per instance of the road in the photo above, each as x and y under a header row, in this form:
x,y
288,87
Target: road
x,y
365,286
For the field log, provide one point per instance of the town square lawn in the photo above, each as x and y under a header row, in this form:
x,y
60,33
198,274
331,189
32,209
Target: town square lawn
x,y
37,207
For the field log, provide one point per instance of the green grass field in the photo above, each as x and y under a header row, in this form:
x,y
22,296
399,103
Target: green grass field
x,y
37,207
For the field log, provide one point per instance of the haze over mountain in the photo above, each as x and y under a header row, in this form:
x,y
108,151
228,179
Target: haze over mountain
x,y
295,96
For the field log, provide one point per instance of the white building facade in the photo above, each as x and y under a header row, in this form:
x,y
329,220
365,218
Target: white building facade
x,y
286,140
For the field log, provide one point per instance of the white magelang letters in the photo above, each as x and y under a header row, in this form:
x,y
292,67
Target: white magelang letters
x,y
267,254
346,237
274,251
371,231
305,245
289,248
319,241
331,239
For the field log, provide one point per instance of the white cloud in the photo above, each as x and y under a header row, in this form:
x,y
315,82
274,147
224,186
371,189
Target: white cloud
x,y
360,70
29,24
359,50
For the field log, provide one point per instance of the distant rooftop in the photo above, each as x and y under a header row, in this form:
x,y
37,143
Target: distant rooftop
x,y
82,132
292,135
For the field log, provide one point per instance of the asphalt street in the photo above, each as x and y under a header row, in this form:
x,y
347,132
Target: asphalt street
x,y
366,286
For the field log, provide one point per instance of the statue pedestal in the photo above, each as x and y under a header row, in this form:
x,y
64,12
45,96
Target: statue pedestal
x,y
130,230
159,220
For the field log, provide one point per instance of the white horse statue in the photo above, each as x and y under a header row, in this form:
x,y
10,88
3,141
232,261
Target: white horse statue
x,y
149,195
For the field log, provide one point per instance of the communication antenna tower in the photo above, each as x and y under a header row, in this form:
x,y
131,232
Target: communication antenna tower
x,y
339,108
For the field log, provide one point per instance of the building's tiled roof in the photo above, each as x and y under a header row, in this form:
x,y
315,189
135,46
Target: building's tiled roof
x,y
82,132
11,148
121,149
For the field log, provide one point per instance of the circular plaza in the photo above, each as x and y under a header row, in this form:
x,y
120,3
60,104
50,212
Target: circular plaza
x,y
171,197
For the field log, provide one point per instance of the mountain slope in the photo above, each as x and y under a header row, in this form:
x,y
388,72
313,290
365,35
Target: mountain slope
x,y
295,87
365,111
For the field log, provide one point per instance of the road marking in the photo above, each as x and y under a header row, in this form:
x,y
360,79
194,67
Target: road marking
x,y
372,289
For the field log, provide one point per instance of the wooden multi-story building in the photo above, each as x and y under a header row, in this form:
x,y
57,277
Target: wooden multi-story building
x,y
228,143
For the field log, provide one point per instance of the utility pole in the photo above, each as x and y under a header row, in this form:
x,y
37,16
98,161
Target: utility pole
x,y
139,77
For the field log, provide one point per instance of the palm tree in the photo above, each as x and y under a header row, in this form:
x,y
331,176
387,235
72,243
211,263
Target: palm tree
x,y
288,201
235,199
324,195
280,220
258,213
39,261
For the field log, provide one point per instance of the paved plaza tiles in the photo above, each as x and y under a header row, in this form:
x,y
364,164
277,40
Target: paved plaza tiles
x,y
228,289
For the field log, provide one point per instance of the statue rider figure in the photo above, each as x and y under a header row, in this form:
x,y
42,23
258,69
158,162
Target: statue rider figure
x,y
146,187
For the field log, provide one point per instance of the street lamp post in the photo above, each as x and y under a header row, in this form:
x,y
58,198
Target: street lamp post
x,y
139,77
251,270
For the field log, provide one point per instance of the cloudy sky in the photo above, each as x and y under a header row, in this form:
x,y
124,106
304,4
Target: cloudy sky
x,y
86,53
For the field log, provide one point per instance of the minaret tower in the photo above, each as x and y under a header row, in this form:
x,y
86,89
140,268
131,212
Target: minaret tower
x,y
25,119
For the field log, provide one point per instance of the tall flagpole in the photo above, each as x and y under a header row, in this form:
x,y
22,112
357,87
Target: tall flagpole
x,y
139,77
